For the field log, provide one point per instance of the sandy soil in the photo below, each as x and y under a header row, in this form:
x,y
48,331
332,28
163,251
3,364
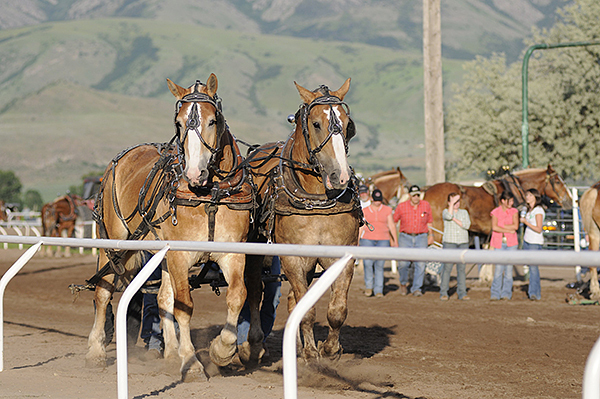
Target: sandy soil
x,y
394,347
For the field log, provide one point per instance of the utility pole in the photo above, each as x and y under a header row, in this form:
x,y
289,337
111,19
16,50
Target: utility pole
x,y
432,89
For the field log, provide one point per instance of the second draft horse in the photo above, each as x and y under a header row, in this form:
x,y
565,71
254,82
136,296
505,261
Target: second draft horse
x,y
307,196
58,219
590,215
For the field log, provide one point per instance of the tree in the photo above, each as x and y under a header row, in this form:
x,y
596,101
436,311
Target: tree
x,y
32,199
484,117
10,186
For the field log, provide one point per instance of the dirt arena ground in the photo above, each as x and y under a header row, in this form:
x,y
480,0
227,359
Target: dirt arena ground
x,y
394,347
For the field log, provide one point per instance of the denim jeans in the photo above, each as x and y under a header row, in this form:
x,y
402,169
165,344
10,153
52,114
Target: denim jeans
x,y
268,308
374,268
151,332
408,241
535,289
460,273
503,279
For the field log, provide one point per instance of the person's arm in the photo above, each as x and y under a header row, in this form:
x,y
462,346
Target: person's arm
x,y
447,214
466,220
512,228
430,239
392,229
538,223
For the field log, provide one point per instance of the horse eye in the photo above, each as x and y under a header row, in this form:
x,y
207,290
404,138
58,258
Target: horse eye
x,y
317,125
212,122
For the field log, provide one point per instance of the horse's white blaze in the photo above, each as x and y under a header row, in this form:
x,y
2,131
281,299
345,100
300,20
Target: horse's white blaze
x,y
339,149
195,158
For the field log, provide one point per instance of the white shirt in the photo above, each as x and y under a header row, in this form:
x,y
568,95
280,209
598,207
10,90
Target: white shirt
x,y
531,236
364,204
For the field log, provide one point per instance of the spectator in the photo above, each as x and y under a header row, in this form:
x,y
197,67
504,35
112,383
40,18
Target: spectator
x,y
533,237
415,220
363,194
380,231
456,235
268,308
505,222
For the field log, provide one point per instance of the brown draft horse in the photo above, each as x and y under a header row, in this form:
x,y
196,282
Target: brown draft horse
x,y
189,189
307,195
3,214
589,204
58,219
392,184
479,202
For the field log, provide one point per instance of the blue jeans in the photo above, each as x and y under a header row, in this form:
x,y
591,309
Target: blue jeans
x,y
535,289
461,277
408,241
268,308
503,279
374,268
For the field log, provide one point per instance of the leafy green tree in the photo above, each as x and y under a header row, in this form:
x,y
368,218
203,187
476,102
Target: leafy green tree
x,y
32,199
10,186
484,118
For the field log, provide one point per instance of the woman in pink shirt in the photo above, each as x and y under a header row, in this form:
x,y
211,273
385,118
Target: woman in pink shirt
x,y
505,222
380,231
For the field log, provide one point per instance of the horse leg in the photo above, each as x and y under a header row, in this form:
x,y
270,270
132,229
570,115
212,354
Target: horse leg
x,y
594,236
294,269
165,300
178,263
251,350
96,355
337,311
67,233
223,347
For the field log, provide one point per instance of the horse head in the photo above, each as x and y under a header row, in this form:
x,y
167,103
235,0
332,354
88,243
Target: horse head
x,y
199,126
3,214
324,120
556,189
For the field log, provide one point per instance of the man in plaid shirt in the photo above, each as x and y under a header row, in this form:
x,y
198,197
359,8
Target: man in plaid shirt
x,y
415,220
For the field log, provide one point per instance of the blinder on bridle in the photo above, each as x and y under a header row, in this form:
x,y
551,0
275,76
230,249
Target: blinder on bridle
x,y
193,121
335,124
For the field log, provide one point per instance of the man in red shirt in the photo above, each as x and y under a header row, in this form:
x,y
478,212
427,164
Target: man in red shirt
x,y
415,221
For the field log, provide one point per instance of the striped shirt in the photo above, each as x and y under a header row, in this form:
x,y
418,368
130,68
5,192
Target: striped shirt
x,y
453,233
413,220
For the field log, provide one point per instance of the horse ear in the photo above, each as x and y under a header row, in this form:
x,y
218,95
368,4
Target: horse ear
x,y
212,84
177,91
306,95
550,169
341,92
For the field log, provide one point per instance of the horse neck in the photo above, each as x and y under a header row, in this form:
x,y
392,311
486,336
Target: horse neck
x,y
307,179
533,179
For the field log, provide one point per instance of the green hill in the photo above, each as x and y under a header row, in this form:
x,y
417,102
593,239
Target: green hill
x,y
73,94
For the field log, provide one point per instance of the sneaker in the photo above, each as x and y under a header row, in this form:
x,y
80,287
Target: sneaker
x,y
465,298
368,292
444,298
403,289
417,293
379,295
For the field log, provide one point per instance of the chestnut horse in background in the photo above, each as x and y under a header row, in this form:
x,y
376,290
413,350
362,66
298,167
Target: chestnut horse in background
x,y
307,195
3,214
589,205
392,184
190,189
58,220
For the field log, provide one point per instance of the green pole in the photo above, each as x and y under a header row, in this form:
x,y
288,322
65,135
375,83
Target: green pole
x,y
525,113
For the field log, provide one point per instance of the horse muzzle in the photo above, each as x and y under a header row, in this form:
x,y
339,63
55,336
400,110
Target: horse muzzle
x,y
196,178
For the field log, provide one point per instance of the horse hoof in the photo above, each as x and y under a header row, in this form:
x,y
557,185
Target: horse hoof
x,y
220,354
194,373
95,363
250,355
332,355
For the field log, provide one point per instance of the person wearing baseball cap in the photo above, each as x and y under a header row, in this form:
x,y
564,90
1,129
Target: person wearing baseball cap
x,y
379,231
416,220
363,194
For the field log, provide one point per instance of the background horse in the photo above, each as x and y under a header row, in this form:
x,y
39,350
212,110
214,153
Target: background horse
x,y
479,201
3,214
307,198
190,189
589,204
58,219
392,184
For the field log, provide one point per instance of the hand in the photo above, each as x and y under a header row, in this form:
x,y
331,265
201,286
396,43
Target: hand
x,y
522,220
430,240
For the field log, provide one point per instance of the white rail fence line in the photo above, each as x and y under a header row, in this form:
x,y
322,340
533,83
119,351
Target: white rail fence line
x,y
591,378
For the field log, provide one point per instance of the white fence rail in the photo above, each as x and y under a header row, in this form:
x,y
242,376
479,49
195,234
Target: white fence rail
x,y
591,378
